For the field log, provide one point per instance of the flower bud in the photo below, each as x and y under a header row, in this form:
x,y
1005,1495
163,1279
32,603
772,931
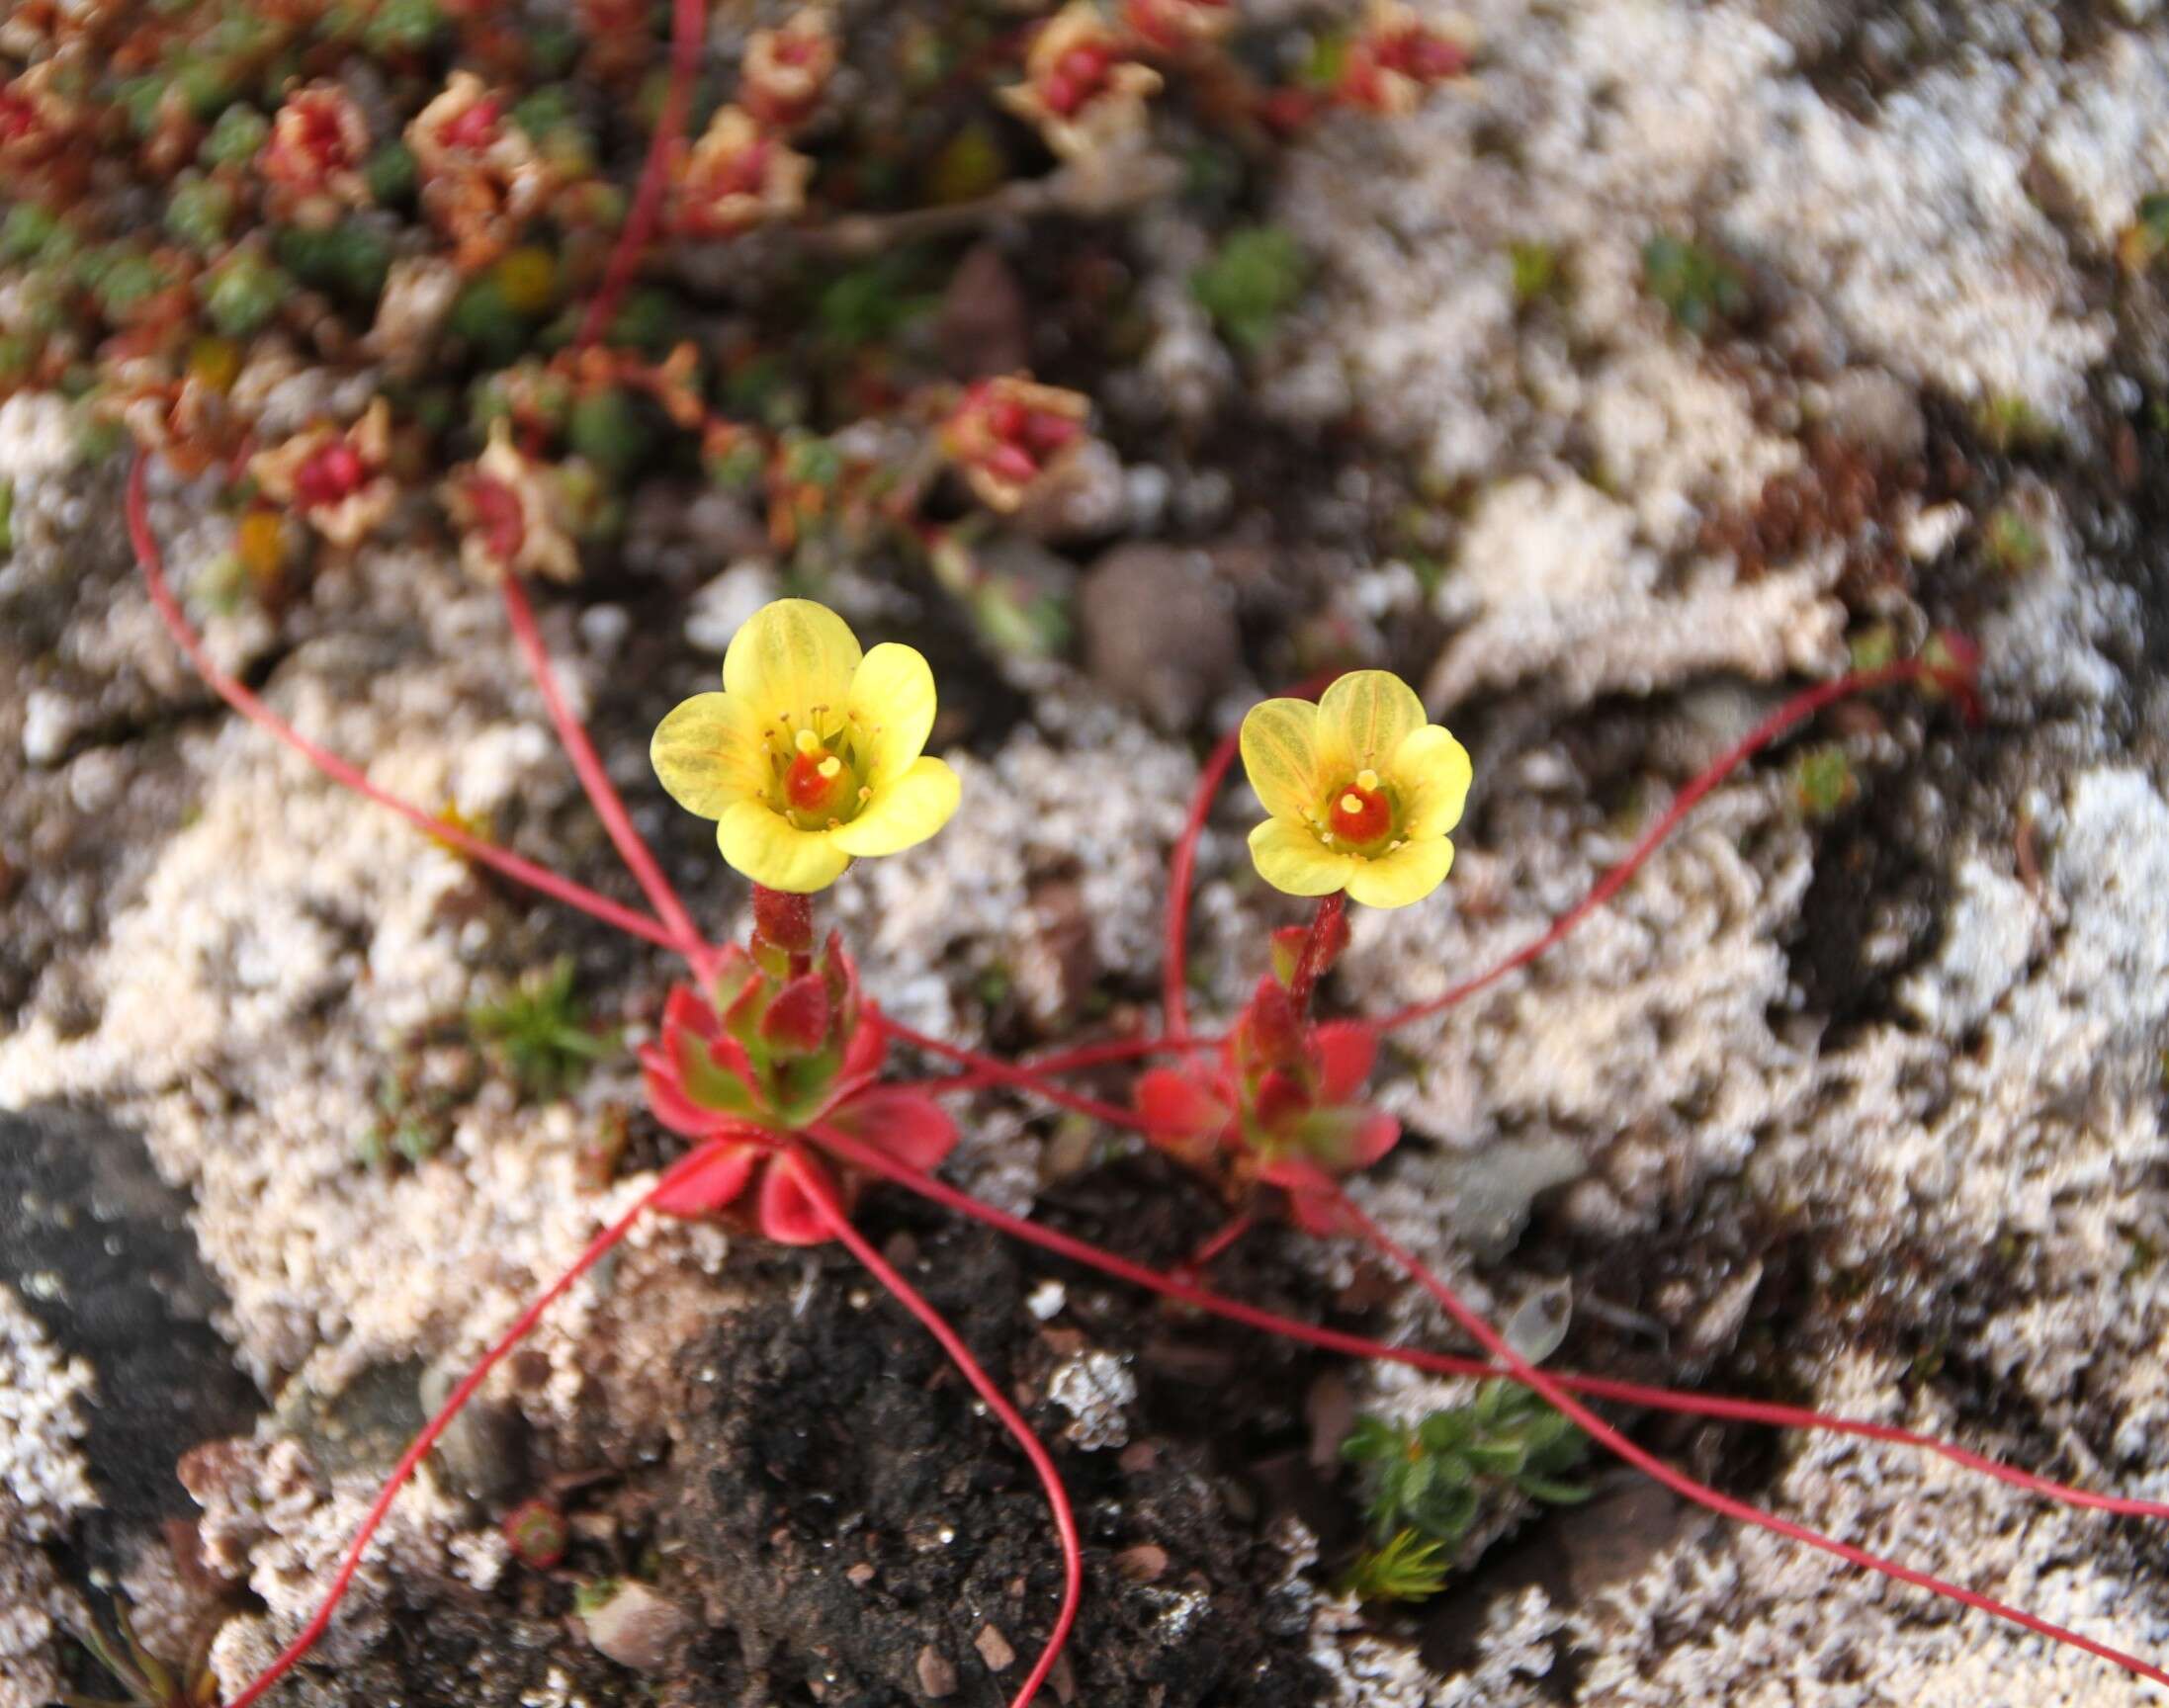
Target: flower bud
x,y
784,920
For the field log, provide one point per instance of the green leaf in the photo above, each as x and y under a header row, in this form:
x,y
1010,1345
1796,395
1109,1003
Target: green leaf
x,y
1558,1494
1495,1458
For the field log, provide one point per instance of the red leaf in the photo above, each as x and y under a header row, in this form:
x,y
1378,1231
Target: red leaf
x,y
1280,1099
867,1046
798,1019
704,1181
1346,1052
787,1215
1271,1026
687,1011
667,1101
1173,1105
909,1125
1313,1199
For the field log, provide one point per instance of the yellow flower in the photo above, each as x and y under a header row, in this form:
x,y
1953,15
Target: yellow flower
x,y
1362,789
811,753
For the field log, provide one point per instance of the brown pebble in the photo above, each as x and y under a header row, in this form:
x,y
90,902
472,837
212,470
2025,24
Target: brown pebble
x,y
993,1648
936,1673
636,1628
861,1575
1063,1679
1143,1564
1138,1457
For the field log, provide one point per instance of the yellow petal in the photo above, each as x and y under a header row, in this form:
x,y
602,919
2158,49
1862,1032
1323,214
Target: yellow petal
x,y
775,853
1408,874
789,658
1433,771
1293,860
708,753
1281,757
905,810
1362,720
892,704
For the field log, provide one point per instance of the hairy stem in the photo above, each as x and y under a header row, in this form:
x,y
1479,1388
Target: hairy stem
x,y
498,860
601,793
991,1070
858,1155
1058,1498
688,21
1175,974
419,1448
1780,722
1317,948
1555,1391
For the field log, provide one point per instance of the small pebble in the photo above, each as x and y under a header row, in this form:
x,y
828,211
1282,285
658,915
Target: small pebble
x,y
936,1673
636,1628
993,1648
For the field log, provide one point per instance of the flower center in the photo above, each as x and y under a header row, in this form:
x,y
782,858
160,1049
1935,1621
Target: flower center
x,y
499,517
821,787
319,137
475,129
1078,77
1361,814
17,119
334,472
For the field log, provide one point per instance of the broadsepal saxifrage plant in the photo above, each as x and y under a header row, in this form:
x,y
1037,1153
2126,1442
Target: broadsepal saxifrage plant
x,y
771,1063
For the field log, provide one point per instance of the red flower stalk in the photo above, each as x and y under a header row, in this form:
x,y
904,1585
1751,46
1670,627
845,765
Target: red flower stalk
x,y
1277,1107
785,1042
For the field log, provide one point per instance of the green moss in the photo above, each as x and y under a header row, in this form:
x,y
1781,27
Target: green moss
x,y
609,429
1538,272
2010,424
128,283
1700,288
1404,1567
1822,780
2011,543
401,26
1433,1481
540,1032
27,230
393,175
243,292
349,261
1256,276
200,211
488,323
237,137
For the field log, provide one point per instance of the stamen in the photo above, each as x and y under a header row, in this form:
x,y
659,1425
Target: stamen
x,y
829,767
1351,804
865,794
806,742
1367,780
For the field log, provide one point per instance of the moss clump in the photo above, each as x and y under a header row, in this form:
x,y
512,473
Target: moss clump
x,y
1254,277
1701,290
